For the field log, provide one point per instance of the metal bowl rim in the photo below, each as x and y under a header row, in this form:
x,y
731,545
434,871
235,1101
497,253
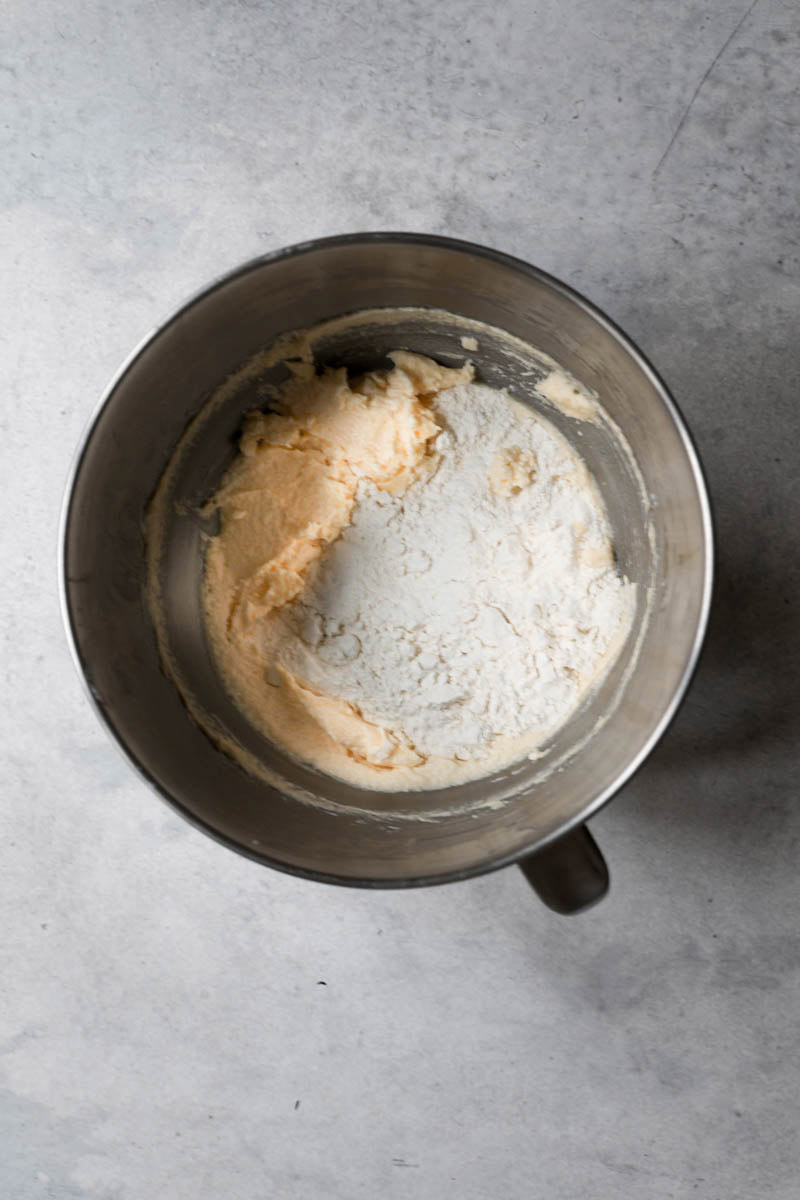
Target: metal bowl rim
x,y
515,264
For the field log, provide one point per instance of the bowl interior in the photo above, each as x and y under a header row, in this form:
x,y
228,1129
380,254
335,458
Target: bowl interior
x,y
292,815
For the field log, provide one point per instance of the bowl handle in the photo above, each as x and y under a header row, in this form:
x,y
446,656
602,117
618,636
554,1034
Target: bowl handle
x,y
569,875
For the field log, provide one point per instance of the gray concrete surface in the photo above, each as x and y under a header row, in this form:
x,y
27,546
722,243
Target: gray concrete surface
x,y
176,1022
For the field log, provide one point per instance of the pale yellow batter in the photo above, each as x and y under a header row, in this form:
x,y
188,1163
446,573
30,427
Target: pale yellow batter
x,y
287,496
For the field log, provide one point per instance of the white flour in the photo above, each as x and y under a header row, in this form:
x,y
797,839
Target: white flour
x,y
482,603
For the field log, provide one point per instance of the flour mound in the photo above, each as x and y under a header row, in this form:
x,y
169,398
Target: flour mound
x,y
480,604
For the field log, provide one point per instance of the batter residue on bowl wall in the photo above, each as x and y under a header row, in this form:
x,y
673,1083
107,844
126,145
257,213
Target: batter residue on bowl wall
x,y
413,584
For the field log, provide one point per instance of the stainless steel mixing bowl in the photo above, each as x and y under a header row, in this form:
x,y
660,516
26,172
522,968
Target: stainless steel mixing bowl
x,y
532,814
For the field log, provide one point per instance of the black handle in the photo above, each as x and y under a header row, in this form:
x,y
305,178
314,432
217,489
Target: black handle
x,y
569,875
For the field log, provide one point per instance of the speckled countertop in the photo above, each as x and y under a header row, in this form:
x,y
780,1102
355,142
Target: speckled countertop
x,y
176,1022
